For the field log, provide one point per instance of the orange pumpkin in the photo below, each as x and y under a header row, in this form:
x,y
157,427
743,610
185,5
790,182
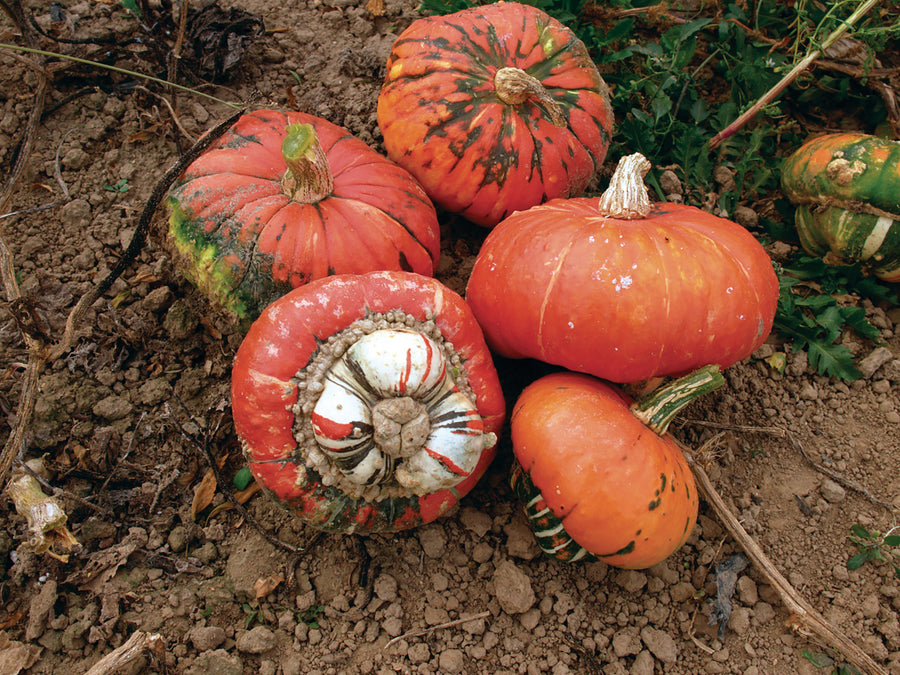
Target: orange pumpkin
x,y
598,475
621,288
284,198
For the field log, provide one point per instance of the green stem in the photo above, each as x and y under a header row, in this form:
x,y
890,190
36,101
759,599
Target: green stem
x,y
308,178
658,410
116,69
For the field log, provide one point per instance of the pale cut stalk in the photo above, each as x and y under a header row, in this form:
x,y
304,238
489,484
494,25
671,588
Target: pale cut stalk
x,y
627,198
514,86
45,516
308,179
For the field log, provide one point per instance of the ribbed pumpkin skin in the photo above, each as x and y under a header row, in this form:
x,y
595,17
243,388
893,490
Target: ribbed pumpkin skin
x,y
282,341
624,300
243,242
847,191
621,491
476,155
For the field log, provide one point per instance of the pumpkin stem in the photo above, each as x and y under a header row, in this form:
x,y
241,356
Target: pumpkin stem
x,y
514,86
661,407
626,197
308,178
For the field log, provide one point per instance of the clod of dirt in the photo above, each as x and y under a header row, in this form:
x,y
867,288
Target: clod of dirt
x,y
220,38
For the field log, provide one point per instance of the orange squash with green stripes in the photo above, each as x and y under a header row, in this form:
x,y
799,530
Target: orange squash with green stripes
x,y
494,109
598,475
847,191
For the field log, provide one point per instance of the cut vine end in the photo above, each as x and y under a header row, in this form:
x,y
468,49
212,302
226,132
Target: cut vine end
x,y
660,408
514,87
300,138
308,177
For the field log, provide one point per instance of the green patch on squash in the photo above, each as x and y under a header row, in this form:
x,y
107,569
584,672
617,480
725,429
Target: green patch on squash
x,y
217,266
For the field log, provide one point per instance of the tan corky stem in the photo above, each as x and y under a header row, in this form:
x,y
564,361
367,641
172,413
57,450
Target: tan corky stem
x,y
308,179
514,86
626,197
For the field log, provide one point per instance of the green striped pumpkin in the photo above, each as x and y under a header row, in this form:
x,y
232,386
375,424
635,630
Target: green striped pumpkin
x,y
847,191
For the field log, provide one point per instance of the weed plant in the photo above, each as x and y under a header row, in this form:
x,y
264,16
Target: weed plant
x,y
874,546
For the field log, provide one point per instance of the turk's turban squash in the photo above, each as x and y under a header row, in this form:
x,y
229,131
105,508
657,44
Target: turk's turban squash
x,y
367,403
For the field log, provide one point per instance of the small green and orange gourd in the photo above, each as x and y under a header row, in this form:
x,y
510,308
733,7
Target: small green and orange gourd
x,y
597,473
846,187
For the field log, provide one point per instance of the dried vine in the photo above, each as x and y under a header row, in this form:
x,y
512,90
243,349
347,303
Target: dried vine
x,y
41,350
805,619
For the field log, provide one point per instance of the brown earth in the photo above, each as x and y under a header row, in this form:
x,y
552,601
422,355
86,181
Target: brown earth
x,y
118,415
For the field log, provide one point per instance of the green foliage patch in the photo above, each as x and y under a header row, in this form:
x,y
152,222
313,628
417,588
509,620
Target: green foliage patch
x,y
874,546
814,311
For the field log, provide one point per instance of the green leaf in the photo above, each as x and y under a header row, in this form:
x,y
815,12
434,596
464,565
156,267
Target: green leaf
x,y
855,317
661,105
892,540
618,31
132,6
830,318
846,669
860,531
817,659
693,27
685,53
699,111
242,479
833,360
857,561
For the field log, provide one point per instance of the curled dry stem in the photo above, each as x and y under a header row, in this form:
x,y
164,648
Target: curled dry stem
x,y
440,626
785,81
131,650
